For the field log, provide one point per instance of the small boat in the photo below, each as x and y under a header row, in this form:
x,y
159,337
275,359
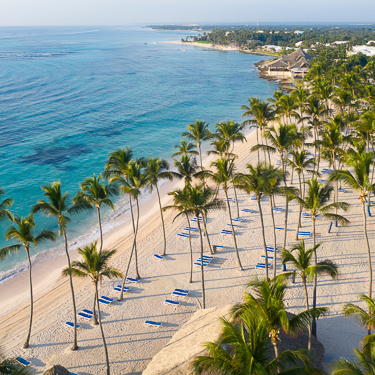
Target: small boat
x,y
144,43
155,43
184,50
176,49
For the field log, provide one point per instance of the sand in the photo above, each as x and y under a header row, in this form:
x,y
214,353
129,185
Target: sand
x,y
204,45
130,344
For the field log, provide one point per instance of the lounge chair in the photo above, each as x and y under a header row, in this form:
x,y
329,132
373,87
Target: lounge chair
x,y
253,197
191,229
85,316
235,225
150,323
326,171
278,209
306,215
341,190
171,303
237,219
158,257
87,312
219,246
73,373
322,181
71,325
224,231
23,361
183,235
130,280
304,234
247,210
107,298
271,249
279,228
180,293
194,219
118,289
104,302
205,260
263,265
198,264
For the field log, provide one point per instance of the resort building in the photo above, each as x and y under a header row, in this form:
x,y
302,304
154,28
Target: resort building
x,y
294,65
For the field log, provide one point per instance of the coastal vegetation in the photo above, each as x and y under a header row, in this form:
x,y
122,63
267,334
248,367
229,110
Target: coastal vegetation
x,y
329,118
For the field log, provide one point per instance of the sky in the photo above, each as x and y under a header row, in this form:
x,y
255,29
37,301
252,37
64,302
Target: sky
x,y
122,12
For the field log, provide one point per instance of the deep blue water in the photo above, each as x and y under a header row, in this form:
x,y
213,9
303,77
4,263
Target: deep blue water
x,y
69,96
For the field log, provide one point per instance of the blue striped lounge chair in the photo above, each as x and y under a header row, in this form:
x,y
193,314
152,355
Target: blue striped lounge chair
x,y
305,215
237,219
71,325
158,257
247,210
194,219
263,257
219,246
231,200
171,303
191,229
253,197
131,280
88,312
84,315
150,323
23,361
180,293
205,260
279,228
118,289
183,235
277,209
271,249
73,373
322,181
326,171
198,264
107,298
304,234
224,231
235,225
341,190
263,265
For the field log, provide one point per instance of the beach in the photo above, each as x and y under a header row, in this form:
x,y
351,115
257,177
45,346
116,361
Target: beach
x,y
131,345
205,45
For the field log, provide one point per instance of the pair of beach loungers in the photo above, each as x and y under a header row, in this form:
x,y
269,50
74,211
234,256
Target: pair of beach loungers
x,y
237,220
247,210
326,171
277,209
254,197
206,261
226,232
180,293
305,215
194,219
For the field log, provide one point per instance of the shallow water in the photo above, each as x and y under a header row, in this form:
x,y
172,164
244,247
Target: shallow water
x,y
71,95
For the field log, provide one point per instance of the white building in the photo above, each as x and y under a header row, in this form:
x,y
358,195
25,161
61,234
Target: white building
x,y
366,50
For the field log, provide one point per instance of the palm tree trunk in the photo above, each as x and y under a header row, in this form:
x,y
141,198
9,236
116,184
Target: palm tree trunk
x,y
120,298
264,239
74,347
100,229
26,344
200,155
206,233
94,311
315,280
274,237
300,208
276,349
257,142
101,330
162,220
191,252
285,219
234,235
235,197
369,255
135,242
307,307
202,273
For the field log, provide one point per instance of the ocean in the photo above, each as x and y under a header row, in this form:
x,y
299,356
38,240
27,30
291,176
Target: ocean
x,y
69,96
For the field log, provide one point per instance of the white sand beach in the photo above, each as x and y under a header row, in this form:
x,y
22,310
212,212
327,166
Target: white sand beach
x,y
204,45
130,344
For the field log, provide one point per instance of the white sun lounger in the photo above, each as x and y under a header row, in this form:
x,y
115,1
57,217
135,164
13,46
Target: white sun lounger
x,y
191,229
107,298
171,303
263,265
118,289
304,234
23,361
247,210
150,323
131,280
158,257
71,325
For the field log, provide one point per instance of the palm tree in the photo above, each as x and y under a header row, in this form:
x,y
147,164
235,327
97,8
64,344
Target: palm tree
x,y
359,181
243,349
7,203
186,169
198,132
362,365
96,194
58,205
185,149
316,203
255,182
200,200
23,233
302,261
180,203
10,366
268,303
229,132
286,106
223,176
94,266
156,169
365,319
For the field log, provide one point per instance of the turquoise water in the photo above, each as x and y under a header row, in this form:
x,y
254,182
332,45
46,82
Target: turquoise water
x,y
69,96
